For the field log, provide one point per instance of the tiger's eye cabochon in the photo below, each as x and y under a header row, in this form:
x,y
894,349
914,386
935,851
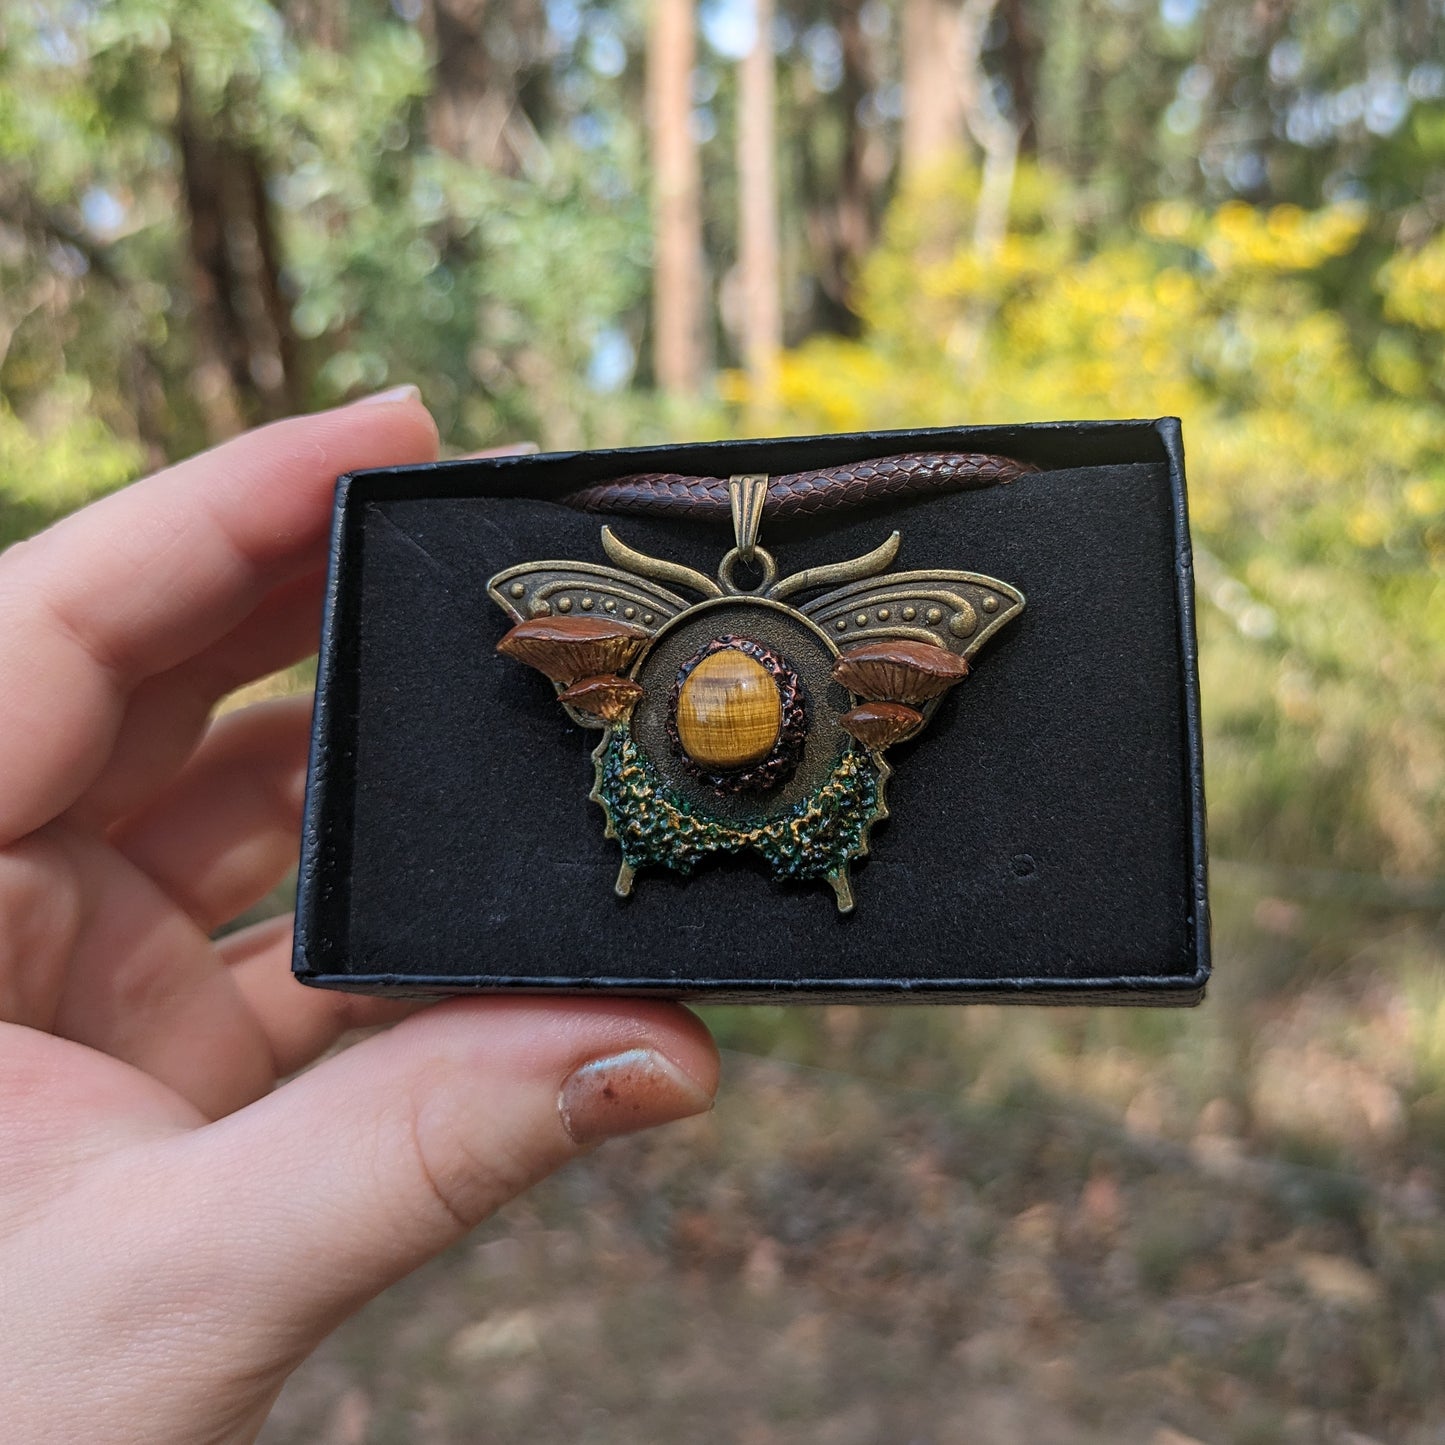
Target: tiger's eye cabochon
x,y
729,711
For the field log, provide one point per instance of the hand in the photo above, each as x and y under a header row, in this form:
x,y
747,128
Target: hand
x,y
175,1234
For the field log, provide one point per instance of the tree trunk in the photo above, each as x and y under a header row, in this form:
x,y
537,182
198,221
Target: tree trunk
x,y
677,212
758,260
466,112
1020,57
994,133
843,215
248,355
932,102
477,111
998,139
326,23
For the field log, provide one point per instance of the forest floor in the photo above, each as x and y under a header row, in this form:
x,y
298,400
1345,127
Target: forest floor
x,y
979,1226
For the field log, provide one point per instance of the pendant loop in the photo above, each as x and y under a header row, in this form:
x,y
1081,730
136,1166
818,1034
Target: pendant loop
x,y
747,491
762,557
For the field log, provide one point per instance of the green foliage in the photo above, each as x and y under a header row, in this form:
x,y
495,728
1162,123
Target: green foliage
x,y
396,258
44,469
1317,485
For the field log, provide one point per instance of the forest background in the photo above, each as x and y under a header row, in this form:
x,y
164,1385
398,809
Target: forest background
x,y
595,224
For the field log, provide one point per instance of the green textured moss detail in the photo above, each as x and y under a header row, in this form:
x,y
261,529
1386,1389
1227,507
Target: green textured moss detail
x,y
813,839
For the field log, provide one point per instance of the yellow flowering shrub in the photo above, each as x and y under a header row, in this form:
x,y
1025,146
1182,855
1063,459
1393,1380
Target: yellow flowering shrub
x,y
1414,287
1317,467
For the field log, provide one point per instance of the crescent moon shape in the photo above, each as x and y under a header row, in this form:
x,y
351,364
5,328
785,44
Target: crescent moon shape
x,y
868,565
655,567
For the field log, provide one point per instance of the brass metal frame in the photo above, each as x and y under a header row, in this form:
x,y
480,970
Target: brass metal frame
x,y
957,611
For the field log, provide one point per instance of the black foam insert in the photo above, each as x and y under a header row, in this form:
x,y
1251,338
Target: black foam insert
x,y
1045,839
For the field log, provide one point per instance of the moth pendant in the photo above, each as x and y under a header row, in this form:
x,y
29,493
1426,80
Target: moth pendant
x,y
750,718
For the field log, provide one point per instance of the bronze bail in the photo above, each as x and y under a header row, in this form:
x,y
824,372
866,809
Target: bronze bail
x,y
747,491
747,494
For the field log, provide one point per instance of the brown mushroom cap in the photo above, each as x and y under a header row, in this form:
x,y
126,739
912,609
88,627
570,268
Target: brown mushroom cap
x,y
896,670
881,724
566,648
606,696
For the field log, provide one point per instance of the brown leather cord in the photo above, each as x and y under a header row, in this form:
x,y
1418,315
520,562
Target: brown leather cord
x,y
800,494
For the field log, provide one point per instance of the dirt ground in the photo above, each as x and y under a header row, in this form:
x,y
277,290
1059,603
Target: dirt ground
x,y
979,1227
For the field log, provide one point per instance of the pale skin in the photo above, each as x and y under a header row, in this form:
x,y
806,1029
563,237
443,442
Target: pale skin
x,y
177,1231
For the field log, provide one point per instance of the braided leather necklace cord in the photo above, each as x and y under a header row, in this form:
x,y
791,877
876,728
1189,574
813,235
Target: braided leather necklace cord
x,y
800,494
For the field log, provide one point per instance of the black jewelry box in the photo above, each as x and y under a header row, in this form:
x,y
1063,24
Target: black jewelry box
x,y
1046,832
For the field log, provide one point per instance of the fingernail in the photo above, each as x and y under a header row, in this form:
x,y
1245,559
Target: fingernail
x,y
627,1092
396,394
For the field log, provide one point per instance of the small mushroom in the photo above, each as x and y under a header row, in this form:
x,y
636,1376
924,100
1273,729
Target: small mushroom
x,y
878,725
896,670
606,696
566,648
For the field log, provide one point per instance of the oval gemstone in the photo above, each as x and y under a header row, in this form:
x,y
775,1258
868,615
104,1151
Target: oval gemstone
x,y
729,711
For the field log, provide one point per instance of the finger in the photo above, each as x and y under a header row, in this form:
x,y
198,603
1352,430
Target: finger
x,y
144,985
65,1106
217,1025
256,943
300,1023
230,1249
226,830
352,1174
166,716
148,577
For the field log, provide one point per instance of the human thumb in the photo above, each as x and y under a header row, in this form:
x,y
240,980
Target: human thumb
x,y
354,1173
